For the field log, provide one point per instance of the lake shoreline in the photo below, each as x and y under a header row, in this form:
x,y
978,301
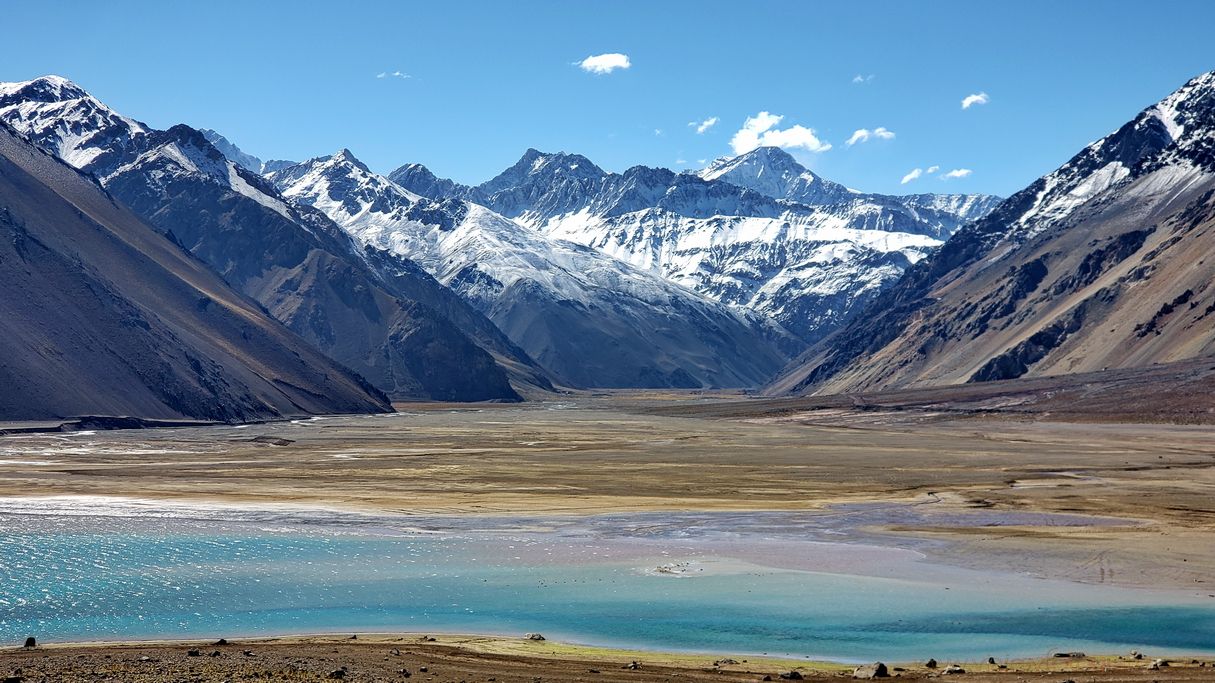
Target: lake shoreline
x,y
448,657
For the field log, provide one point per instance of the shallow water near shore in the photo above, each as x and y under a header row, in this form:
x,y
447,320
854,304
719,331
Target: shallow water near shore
x,y
788,584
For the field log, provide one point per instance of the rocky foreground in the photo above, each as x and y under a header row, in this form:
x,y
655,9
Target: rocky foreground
x,y
452,659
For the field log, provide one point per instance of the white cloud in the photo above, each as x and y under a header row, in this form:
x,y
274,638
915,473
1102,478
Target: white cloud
x,y
865,135
933,169
760,131
977,98
605,63
657,132
859,79
957,173
915,173
703,126
393,74
681,162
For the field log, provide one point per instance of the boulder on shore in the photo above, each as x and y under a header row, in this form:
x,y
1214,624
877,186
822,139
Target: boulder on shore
x,y
870,671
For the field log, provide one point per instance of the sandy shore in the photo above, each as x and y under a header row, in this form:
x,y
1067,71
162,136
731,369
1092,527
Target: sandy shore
x,y
473,659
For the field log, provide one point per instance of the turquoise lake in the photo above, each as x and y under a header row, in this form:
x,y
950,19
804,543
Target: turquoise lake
x,y
775,583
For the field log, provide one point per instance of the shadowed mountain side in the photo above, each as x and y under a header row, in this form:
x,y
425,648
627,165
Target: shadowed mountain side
x,y
104,316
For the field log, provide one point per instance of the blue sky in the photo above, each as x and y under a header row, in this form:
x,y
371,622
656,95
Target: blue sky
x,y
486,80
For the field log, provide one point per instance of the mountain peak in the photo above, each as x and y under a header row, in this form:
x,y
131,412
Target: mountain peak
x,y
49,88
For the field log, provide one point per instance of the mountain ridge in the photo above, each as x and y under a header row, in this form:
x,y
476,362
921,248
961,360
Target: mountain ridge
x,y
592,320
1098,264
808,267
302,268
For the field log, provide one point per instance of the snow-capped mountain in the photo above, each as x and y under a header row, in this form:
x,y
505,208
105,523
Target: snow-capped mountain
x,y
758,232
375,313
1103,263
774,172
591,319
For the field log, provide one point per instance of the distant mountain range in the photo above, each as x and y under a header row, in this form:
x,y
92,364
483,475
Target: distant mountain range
x,y
758,232
1104,263
556,273
591,319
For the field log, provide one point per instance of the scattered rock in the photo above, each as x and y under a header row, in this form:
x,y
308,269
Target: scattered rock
x,y
870,671
222,641
216,653
1136,654
953,669
270,440
423,669
792,676
931,664
405,673
248,653
533,636
766,678
633,665
337,674
193,653
991,660
592,671
145,658
1158,664
354,637
31,642
725,662
13,679
1073,655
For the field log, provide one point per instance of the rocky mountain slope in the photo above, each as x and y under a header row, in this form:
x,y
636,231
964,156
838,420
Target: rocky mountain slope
x,y
1104,263
106,316
758,232
592,320
375,313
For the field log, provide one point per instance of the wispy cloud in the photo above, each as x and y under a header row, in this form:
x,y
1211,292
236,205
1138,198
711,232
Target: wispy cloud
x,y
977,98
917,173
760,131
861,79
703,126
658,132
865,135
957,173
605,63
393,74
